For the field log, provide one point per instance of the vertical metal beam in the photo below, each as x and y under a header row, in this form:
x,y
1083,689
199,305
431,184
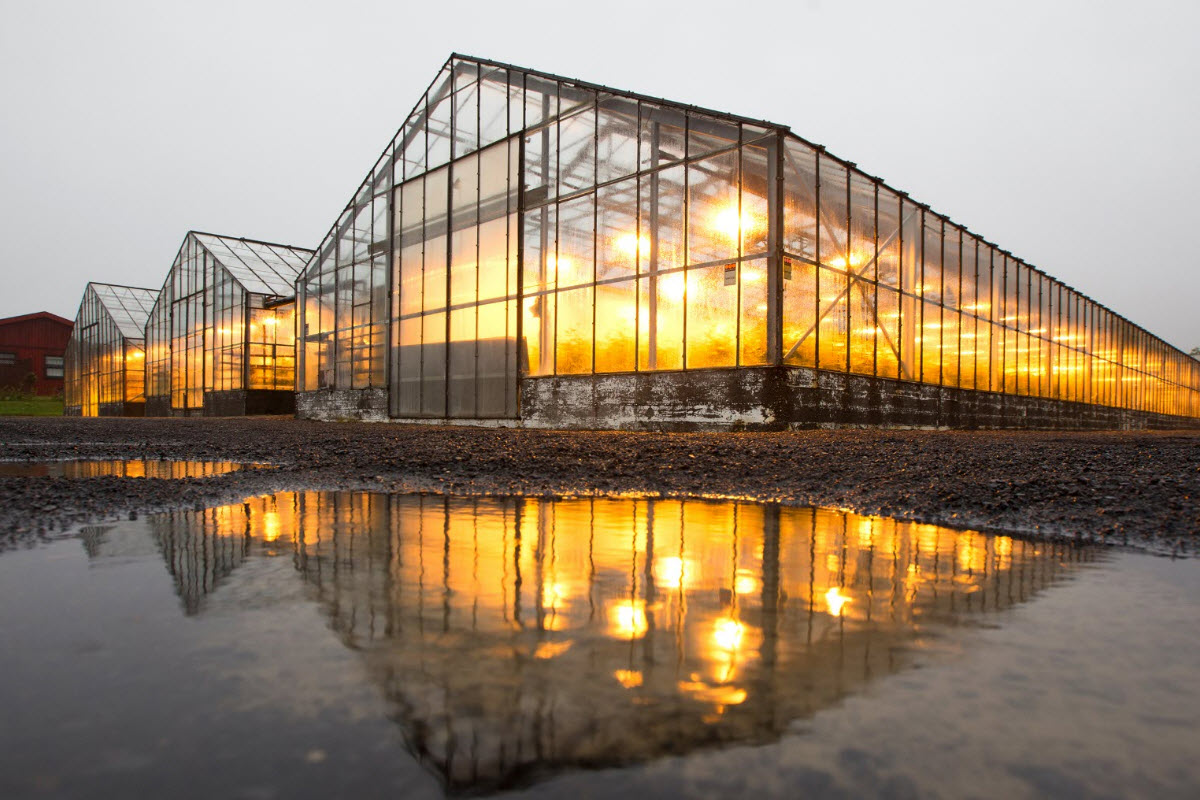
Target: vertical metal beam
x,y
775,194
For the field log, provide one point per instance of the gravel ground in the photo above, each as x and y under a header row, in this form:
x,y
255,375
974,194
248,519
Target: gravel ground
x,y
1128,488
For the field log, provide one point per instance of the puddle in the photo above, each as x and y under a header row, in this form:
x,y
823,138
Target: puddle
x,y
310,643
124,468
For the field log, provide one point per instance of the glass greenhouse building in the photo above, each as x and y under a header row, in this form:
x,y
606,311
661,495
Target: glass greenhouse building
x,y
221,337
104,365
555,253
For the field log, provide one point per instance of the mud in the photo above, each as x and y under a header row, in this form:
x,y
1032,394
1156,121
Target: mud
x,y
1129,488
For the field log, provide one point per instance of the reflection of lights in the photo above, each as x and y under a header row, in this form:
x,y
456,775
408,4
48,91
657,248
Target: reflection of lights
x,y
627,619
835,601
671,572
866,533
270,526
632,245
553,594
717,695
745,584
727,634
629,678
547,650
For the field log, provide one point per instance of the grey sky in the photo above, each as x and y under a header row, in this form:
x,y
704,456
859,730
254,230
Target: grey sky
x,y
1065,132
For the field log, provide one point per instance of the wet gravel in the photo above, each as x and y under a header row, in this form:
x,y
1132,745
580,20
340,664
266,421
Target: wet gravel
x,y
1129,488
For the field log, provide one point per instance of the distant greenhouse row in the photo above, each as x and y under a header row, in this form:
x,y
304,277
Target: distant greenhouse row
x,y
541,251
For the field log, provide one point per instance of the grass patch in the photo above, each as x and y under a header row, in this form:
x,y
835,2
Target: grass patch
x,y
32,407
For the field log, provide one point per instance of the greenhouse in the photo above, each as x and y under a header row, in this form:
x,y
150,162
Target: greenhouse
x,y
104,365
221,338
536,250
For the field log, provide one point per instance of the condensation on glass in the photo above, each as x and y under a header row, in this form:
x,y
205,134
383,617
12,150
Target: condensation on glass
x,y
524,224
224,321
105,361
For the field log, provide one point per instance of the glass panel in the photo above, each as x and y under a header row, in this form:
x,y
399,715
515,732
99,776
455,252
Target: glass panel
x,y
712,318
617,325
574,335
660,321
714,219
752,324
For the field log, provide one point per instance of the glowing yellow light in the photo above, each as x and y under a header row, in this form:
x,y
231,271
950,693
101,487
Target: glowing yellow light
x,y
727,634
835,601
729,223
633,245
560,267
672,287
627,619
842,262
629,678
269,321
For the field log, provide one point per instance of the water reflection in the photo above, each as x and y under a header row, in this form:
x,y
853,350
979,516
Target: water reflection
x,y
518,637
136,468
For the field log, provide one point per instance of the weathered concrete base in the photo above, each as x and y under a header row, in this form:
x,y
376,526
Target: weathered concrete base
x,y
332,405
780,398
755,398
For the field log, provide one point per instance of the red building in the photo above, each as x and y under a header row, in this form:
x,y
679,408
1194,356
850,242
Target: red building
x,y
33,344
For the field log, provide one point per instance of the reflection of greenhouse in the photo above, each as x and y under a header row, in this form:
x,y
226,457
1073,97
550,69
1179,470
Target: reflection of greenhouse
x,y
221,338
518,637
104,365
541,249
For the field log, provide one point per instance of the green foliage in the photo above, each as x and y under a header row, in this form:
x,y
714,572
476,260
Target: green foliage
x,y
30,406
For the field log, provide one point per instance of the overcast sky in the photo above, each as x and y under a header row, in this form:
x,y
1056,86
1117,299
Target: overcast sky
x,y
1065,132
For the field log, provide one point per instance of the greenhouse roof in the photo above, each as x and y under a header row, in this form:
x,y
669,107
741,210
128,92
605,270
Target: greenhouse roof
x,y
128,306
259,267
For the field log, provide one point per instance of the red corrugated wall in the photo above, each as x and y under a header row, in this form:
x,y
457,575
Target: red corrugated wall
x,y
29,339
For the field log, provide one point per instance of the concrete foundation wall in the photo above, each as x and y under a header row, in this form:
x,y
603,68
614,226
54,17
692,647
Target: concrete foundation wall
x,y
332,405
756,398
780,398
